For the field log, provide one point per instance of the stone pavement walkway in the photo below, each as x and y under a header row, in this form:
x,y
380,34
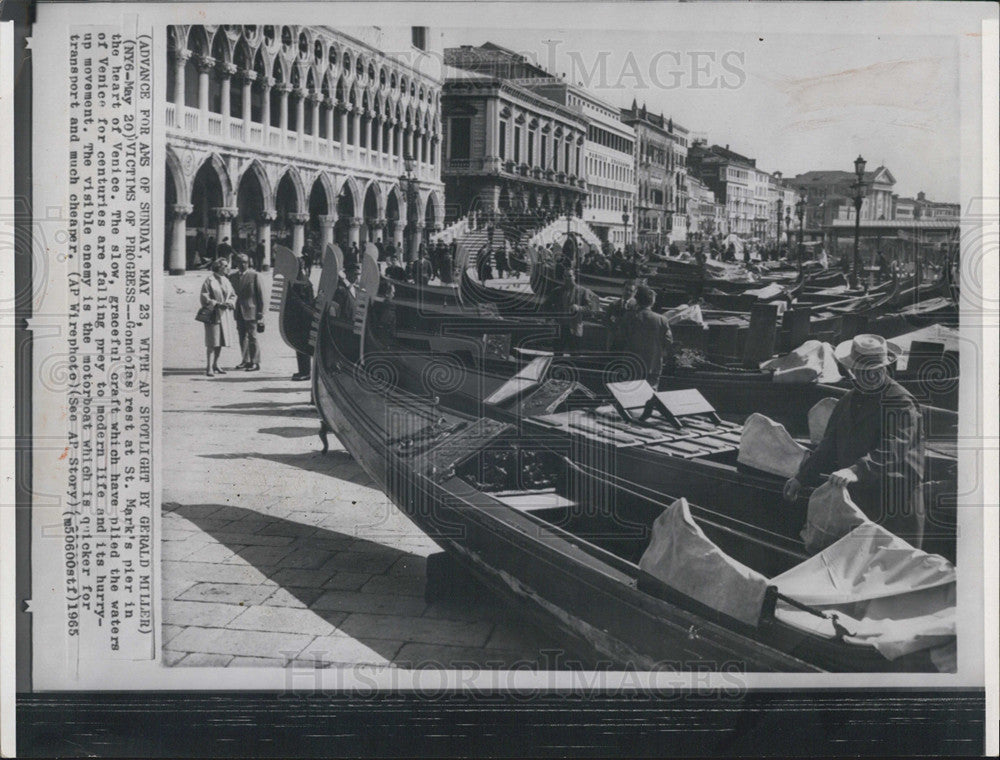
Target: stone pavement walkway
x,y
276,554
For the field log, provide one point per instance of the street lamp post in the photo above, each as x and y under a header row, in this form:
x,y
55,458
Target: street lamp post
x,y
788,232
800,212
859,196
777,237
408,182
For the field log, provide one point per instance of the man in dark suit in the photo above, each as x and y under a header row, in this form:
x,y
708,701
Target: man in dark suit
x,y
346,294
569,302
423,270
302,299
352,256
647,334
249,311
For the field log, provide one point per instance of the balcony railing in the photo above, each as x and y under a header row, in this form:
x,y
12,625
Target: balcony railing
x,y
270,139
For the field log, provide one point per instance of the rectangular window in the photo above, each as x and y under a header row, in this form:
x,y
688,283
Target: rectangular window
x,y
545,143
503,140
419,37
531,148
461,138
517,145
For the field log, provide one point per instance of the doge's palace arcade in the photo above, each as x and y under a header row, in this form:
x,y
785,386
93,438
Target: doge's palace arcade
x,y
288,134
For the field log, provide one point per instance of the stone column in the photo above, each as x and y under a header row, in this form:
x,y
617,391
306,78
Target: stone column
x,y
264,235
298,232
356,122
368,132
300,116
393,139
177,261
378,140
284,89
354,232
326,224
181,57
378,230
329,123
226,71
397,237
409,143
265,105
343,128
224,223
205,64
492,128
314,101
247,77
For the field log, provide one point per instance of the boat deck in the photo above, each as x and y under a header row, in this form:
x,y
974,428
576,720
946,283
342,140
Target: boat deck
x,y
697,438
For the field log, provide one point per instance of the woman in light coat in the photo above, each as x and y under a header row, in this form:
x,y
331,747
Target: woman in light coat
x,y
218,292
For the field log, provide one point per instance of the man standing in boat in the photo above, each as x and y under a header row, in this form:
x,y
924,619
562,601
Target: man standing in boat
x,y
873,443
569,301
647,334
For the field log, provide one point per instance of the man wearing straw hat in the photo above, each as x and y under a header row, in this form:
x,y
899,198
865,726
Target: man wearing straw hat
x,y
873,443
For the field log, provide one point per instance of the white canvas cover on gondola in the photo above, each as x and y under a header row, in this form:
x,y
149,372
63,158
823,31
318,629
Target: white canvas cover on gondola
x,y
767,446
831,516
811,362
681,556
884,591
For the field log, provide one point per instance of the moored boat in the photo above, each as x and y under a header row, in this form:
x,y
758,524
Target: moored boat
x,y
569,544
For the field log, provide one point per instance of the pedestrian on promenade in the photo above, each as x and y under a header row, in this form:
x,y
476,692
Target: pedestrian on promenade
x,y
217,293
301,293
249,312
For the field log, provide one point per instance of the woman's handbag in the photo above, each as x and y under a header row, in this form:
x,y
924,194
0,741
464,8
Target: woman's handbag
x,y
208,315
260,327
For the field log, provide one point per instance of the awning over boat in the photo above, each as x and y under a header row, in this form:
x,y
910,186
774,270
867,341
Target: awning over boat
x,y
811,362
884,592
682,557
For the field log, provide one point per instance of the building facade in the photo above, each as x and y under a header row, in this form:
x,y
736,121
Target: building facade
x,y
661,176
733,178
283,133
922,208
609,159
509,149
706,217
829,196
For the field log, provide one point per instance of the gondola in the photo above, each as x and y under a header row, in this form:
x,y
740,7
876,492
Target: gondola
x,y
460,370
565,543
